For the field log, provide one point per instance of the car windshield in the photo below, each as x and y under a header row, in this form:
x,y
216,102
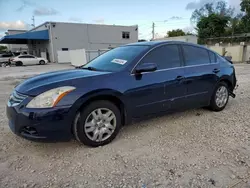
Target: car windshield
x,y
116,59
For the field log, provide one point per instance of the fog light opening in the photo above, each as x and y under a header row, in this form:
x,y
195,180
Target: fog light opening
x,y
29,130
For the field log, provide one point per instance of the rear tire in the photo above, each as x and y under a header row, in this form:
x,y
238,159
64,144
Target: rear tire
x,y
98,129
220,97
42,62
19,63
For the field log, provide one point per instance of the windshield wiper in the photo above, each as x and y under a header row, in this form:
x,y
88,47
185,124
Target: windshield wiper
x,y
90,68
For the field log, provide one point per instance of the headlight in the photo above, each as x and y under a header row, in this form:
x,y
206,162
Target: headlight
x,y
50,98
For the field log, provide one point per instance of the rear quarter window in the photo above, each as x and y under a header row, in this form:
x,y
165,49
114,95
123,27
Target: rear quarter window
x,y
212,56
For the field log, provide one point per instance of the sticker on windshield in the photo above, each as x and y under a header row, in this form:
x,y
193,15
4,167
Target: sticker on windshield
x,y
119,61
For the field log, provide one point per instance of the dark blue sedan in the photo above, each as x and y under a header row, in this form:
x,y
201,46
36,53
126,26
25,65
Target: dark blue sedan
x,y
92,102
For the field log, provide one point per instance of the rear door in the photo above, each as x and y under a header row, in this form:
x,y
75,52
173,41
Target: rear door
x,y
31,60
201,69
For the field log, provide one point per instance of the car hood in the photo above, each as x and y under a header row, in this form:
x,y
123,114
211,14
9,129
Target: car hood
x,y
41,83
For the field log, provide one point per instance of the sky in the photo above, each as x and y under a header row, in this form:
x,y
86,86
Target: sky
x,y
166,14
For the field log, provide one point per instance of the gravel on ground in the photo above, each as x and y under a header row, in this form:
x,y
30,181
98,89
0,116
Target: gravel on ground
x,y
195,148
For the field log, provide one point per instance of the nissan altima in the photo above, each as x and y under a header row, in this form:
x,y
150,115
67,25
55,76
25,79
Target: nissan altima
x,y
92,102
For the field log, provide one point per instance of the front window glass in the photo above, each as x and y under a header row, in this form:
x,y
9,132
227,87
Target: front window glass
x,y
165,57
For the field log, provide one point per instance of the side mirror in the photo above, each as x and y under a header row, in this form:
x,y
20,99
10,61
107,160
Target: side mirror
x,y
229,58
146,67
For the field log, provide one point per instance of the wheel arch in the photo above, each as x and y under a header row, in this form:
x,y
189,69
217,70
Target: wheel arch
x,y
110,95
228,81
19,63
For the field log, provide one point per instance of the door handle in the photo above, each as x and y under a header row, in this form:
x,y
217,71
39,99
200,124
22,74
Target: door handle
x,y
179,78
216,70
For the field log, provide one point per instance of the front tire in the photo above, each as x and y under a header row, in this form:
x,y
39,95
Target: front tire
x,y
220,97
19,63
97,124
42,62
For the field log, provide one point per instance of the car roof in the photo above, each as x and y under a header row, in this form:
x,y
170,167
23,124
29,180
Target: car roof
x,y
158,43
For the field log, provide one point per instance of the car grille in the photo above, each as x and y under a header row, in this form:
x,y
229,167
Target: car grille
x,y
16,98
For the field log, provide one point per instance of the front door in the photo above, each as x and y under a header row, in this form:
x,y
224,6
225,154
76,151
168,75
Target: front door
x,y
147,93
27,59
32,60
200,72
157,91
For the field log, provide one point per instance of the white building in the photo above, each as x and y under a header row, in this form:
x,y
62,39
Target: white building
x,y
16,47
186,38
51,37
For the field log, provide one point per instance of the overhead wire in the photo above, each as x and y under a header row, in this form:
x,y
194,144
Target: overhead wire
x,y
161,24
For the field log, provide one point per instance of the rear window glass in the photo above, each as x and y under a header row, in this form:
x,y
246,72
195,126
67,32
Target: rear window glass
x,y
195,55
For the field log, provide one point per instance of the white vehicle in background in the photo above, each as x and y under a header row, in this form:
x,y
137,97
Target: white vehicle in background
x,y
27,59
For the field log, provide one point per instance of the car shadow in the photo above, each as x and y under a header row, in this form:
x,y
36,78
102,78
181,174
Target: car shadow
x,y
175,114
133,128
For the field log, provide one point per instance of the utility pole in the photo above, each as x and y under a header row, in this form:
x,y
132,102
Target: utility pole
x,y
33,21
153,31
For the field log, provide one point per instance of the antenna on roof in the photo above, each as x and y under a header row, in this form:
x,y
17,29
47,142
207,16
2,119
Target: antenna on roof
x,y
33,21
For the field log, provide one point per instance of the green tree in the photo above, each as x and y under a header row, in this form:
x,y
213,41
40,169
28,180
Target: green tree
x,y
235,25
218,20
219,8
189,33
3,48
245,21
245,6
176,33
213,25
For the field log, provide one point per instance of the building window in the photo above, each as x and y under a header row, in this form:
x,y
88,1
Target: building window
x,y
65,49
125,35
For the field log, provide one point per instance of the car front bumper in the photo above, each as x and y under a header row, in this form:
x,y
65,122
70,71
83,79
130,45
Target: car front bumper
x,y
41,124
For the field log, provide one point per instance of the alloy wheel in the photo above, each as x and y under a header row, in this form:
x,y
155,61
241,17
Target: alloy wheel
x,y
221,96
100,124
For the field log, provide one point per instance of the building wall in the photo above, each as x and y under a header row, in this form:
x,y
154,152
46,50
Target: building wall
x,y
236,52
247,53
187,38
239,53
89,36
16,47
219,49
77,36
36,47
